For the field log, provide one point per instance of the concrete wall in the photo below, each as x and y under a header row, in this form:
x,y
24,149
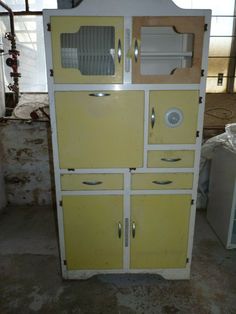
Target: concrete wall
x,y
27,162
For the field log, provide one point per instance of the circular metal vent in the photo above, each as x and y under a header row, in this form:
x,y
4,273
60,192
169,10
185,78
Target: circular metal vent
x,y
174,117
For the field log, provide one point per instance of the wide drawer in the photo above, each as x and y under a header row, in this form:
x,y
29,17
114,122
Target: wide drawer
x,y
171,159
161,181
90,181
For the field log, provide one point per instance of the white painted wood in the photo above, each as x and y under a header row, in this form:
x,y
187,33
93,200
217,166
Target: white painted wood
x,y
127,8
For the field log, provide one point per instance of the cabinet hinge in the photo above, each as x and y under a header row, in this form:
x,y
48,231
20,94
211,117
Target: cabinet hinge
x,y
192,202
197,134
65,262
60,203
71,169
132,169
187,260
51,72
200,100
205,27
202,73
49,27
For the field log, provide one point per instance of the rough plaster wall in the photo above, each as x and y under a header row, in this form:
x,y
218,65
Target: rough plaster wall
x,y
27,162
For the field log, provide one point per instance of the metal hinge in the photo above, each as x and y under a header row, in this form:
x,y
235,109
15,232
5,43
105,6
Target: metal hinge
x,y
200,100
71,169
187,260
202,73
51,72
49,27
60,203
205,27
65,262
197,134
192,202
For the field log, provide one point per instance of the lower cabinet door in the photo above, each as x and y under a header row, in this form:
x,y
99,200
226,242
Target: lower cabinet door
x,y
93,231
159,231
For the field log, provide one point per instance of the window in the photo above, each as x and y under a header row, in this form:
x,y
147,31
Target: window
x,y
30,42
221,63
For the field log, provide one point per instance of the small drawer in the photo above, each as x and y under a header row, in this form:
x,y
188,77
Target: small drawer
x,y
161,181
92,181
171,159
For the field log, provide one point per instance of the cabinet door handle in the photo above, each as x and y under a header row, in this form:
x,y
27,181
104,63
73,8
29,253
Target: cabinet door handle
x,y
119,51
171,159
119,229
162,182
99,94
153,118
133,229
92,182
136,51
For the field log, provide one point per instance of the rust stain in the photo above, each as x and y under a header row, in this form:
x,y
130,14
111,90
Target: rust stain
x,y
24,152
36,141
17,180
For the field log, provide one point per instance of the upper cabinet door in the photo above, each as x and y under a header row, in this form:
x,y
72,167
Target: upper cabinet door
x,y
167,49
87,49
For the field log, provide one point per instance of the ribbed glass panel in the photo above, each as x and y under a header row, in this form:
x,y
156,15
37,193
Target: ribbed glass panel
x,y
91,50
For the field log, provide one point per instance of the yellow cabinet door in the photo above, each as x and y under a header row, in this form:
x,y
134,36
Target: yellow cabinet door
x,y
173,117
159,231
87,49
93,231
100,132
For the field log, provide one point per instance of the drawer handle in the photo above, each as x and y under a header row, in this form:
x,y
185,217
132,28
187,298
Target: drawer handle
x,y
153,118
119,229
133,229
92,182
136,52
119,52
99,94
171,159
162,182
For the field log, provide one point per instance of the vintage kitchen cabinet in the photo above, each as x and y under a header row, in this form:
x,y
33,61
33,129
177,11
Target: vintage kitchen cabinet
x,y
127,88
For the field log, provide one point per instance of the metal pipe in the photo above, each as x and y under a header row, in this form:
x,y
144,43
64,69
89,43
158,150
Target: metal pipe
x,y
11,15
13,52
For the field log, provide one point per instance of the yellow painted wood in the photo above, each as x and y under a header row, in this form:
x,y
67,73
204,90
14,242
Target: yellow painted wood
x,y
162,102
144,181
100,132
104,181
71,24
161,237
91,231
171,159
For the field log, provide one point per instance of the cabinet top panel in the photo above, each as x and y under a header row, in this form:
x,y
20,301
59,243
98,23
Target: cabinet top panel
x,y
128,8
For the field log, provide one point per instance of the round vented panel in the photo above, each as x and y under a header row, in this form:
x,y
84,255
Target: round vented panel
x,y
174,117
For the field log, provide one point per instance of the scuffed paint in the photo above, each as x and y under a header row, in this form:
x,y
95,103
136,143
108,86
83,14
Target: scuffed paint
x,y
27,167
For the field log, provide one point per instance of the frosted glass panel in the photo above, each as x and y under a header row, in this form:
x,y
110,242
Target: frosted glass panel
x,y
91,50
163,50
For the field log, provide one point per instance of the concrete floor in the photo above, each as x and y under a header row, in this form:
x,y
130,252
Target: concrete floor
x,y
30,279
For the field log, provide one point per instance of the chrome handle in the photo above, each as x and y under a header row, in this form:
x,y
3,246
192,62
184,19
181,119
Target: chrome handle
x,y
162,182
171,159
133,229
119,230
99,94
136,52
92,182
153,118
119,51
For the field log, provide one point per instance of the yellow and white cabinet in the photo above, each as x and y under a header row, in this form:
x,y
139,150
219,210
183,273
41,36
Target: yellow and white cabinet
x,y
126,84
